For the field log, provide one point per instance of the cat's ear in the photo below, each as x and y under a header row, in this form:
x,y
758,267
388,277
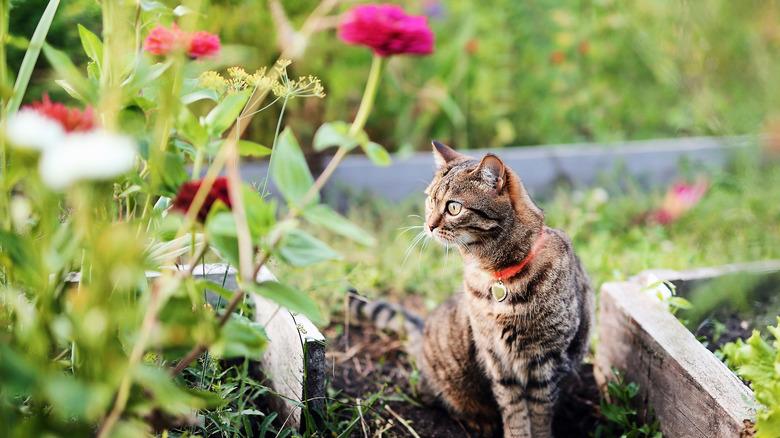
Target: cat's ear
x,y
443,154
493,171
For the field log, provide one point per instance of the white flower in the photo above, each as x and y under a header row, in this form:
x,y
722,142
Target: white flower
x,y
95,155
29,129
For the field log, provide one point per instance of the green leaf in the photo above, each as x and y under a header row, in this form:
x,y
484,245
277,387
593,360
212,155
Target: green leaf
x,y
144,75
71,398
204,94
221,231
302,249
260,214
240,337
18,375
219,119
333,134
173,173
289,298
190,128
324,216
680,303
758,361
289,170
169,396
210,286
93,47
248,148
377,154
60,62
30,55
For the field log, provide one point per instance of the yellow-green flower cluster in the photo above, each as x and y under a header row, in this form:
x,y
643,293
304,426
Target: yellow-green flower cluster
x,y
237,79
304,86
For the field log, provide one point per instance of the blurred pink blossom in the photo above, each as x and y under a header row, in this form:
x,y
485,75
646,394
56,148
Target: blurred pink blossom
x,y
387,30
680,198
203,44
162,40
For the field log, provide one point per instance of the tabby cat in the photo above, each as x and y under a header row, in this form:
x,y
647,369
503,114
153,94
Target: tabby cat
x,y
495,355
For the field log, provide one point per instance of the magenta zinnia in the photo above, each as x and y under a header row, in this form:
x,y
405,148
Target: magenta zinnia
x,y
387,30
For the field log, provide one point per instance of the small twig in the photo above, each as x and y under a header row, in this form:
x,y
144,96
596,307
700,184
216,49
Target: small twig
x,y
402,421
362,421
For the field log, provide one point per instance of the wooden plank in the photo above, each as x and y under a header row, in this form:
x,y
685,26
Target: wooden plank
x,y
690,391
295,360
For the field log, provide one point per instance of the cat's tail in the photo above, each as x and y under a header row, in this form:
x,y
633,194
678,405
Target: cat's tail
x,y
384,315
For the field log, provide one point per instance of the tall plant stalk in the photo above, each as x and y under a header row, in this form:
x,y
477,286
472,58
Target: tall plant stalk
x,y
31,56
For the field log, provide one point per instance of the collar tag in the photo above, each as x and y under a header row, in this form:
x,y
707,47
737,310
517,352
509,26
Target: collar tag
x,y
498,290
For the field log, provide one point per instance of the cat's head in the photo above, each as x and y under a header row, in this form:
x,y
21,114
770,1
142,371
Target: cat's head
x,y
477,203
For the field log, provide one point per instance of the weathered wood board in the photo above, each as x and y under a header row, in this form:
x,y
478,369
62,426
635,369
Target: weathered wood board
x,y
294,363
690,391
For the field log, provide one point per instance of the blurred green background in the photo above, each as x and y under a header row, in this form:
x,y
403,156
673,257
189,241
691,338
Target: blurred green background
x,y
507,72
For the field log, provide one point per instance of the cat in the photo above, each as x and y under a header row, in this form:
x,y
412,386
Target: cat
x,y
495,354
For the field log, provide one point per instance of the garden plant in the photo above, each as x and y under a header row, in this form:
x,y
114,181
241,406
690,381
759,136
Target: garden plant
x,y
125,126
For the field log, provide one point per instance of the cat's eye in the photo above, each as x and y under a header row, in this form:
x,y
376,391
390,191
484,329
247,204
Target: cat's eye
x,y
454,208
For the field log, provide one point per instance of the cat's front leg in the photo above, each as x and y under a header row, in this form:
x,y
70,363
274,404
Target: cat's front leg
x,y
515,414
541,394
510,397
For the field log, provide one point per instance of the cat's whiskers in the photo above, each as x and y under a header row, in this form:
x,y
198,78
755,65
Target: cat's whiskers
x,y
404,230
421,235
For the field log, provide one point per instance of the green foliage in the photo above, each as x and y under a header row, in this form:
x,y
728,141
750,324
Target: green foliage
x,y
89,340
619,411
758,362
289,169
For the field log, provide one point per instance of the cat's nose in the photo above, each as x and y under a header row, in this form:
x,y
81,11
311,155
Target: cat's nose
x,y
431,227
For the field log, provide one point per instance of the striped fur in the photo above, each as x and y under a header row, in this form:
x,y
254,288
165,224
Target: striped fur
x,y
498,366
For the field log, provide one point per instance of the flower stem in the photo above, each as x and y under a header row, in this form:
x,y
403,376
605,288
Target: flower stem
x,y
367,102
273,147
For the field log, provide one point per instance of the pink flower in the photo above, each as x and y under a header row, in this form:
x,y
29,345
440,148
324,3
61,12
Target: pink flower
x,y
203,44
680,198
162,41
71,119
387,30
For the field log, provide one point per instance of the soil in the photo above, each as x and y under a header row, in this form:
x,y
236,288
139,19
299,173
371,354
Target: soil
x,y
364,361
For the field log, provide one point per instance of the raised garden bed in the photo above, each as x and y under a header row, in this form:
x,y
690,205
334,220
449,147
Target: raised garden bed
x,y
686,386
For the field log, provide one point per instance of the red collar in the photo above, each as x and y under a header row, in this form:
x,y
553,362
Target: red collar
x,y
507,273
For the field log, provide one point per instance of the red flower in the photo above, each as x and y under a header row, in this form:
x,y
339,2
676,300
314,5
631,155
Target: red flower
x,y
679,199
387,30
557,57
187,191
203,44
162,41
71,119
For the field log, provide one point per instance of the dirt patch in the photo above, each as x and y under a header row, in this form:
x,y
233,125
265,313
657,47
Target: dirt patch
x,y
367,362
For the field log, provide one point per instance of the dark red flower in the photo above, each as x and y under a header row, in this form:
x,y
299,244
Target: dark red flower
x,y
387,30
71,119
203,45
187,191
